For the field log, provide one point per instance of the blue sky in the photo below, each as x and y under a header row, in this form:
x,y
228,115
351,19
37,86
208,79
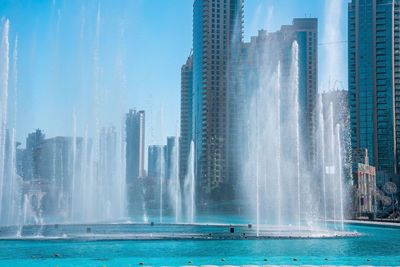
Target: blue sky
x,y
98,58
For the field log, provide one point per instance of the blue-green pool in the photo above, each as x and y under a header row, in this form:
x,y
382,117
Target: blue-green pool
x,y
380,245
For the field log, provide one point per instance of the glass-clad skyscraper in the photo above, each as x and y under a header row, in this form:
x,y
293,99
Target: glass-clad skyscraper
x,y
217,32
134,145
186,116
374,81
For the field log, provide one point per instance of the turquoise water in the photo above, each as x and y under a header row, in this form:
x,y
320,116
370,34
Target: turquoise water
x,y
380,245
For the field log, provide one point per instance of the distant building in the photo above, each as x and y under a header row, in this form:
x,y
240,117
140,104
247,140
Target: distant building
x,y
108,153
171,157
27,158
374,84
186,116
53,158
154,161
54,174
135,139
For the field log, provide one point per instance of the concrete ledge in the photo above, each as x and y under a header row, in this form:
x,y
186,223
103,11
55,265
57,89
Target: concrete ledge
x,y
373,223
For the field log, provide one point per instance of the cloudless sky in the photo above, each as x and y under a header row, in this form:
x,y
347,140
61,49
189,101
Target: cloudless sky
x,y
98,58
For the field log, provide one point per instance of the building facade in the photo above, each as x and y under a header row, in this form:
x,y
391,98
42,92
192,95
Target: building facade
x,y
28,157
305,32
374,81
186,116
261,54
217,33
135,123
171,158
154,162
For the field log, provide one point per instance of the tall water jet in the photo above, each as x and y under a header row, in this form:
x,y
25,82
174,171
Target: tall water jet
x,y
122,172
340,174
175,183
294,80
333,159
4,72
73,182
162,164
11,190
177,180
17,183
257,173
189,187
278,149
162,175
286,149
174,189
321,125
97,160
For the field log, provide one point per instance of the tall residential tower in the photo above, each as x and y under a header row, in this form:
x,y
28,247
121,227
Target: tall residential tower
x,y
134,145
186,116
374,81
217,33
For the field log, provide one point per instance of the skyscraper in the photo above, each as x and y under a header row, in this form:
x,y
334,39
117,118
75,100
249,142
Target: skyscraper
x,y
217,33
374,81
186,115
305,31
134,145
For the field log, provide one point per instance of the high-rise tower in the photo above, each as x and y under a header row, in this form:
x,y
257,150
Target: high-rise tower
x,y
186,116
217,33
134,145
374,81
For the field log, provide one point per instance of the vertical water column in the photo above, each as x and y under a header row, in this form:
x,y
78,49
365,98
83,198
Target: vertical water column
x,y
294,84
340,174
84,210
17,188
95,148
73,181
178,207
13,186
189,187
122,171
162,163
54,179
11,189
257,168
4,71
162,175
333,156
322,139
192,181
278,150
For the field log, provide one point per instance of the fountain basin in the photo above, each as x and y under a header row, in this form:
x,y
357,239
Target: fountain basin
x,y
154,231
378,244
